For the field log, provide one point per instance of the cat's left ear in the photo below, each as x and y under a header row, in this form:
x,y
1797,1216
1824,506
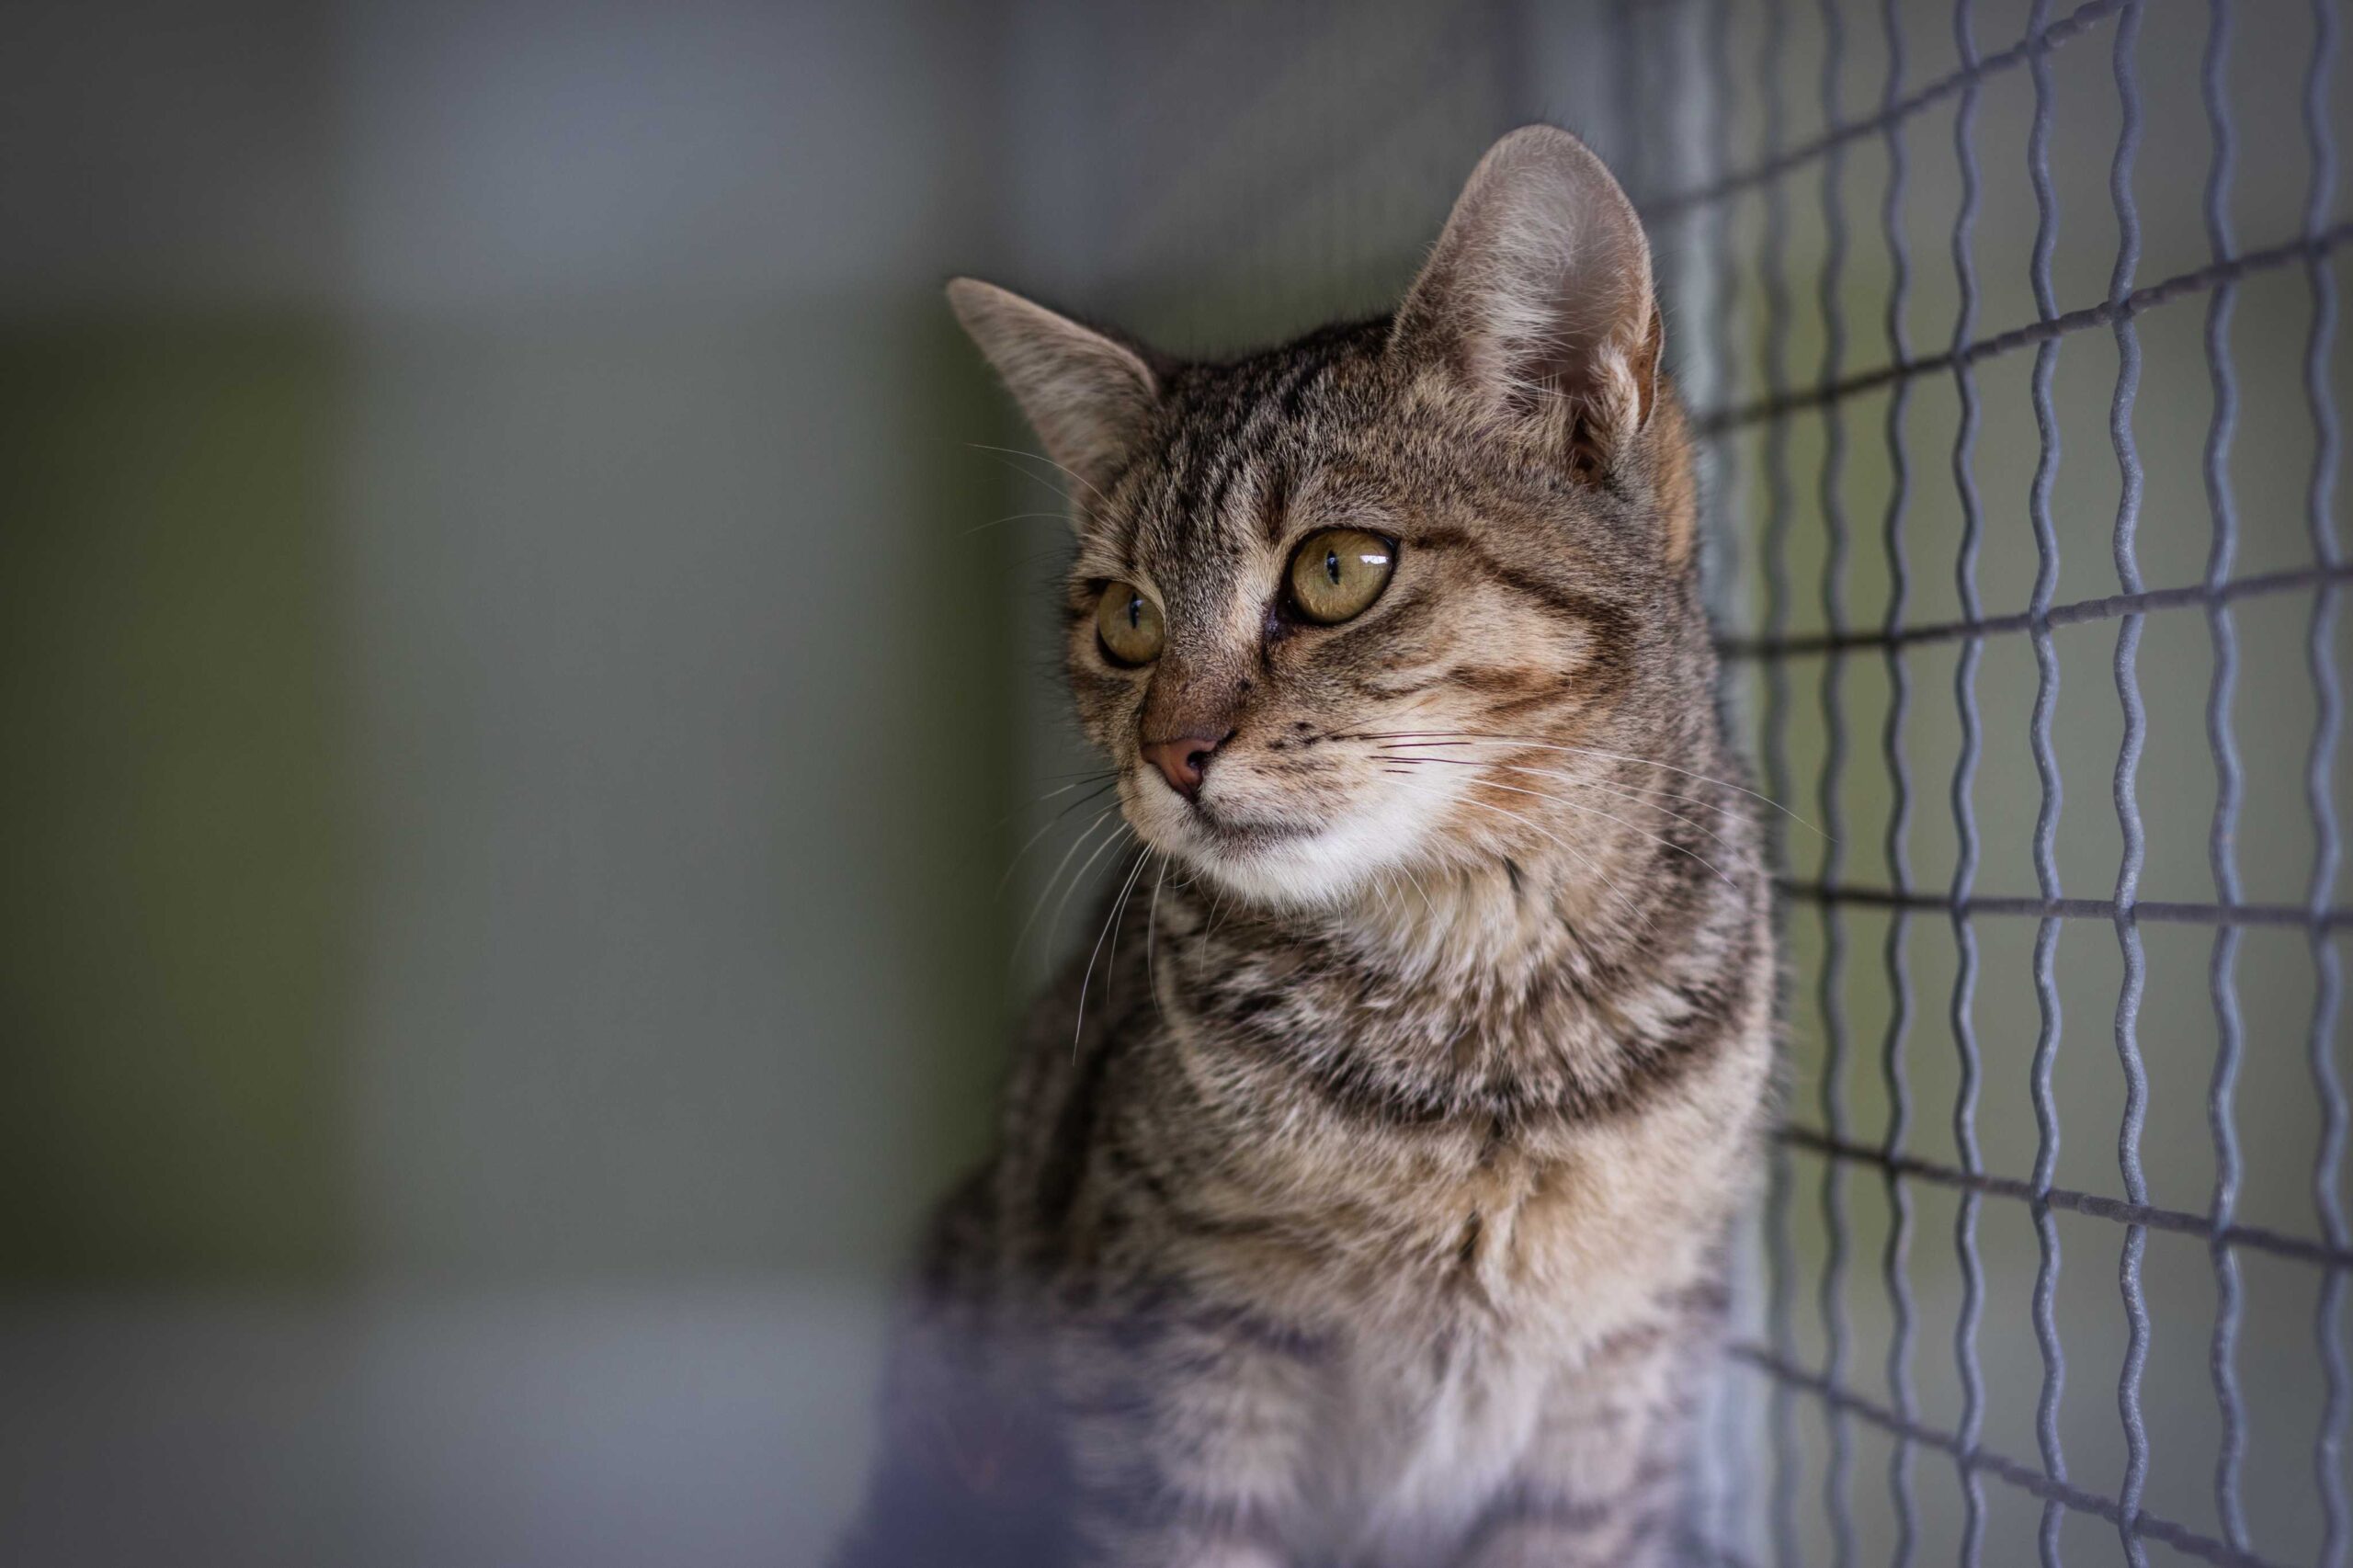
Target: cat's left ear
x,y
1085,394
1537,297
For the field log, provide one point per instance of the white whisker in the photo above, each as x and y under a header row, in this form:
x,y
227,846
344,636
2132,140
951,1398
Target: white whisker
x,y
1111,959
1050,823
1008,517
1582,784
1422,890
1110,927
1041,457
1152,939
1047,891
1053,926
1459,737
1631,791
1661,842
1582,857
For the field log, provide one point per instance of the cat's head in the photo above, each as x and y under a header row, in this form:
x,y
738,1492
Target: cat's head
x,y
1383,598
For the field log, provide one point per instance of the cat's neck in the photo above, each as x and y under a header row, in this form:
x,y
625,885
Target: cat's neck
x,y
1464,924
1448,921
1501,990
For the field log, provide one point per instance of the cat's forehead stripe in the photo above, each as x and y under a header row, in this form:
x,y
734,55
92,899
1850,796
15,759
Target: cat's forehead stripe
x,y
1232,427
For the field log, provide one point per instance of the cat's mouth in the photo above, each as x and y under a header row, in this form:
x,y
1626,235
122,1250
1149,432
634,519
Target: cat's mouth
x,y
1231,832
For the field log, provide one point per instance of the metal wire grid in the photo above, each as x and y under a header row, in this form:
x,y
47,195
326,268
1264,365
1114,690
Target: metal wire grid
x,y
1803,640
1697,216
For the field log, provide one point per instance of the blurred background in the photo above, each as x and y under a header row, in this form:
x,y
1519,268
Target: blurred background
x,y
526,688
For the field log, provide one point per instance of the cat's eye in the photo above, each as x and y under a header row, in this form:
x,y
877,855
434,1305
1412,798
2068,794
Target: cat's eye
x,y
1338,573
1129,625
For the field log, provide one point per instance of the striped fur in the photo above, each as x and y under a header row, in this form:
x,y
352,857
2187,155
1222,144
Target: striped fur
x,y
1376,1214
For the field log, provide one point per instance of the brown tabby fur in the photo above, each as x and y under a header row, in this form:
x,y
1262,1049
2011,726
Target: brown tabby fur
x,y
1377,1215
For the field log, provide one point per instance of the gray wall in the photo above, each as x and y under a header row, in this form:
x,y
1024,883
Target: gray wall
x,y
508,731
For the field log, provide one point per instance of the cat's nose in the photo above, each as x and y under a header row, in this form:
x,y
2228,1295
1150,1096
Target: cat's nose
x,y
1183,760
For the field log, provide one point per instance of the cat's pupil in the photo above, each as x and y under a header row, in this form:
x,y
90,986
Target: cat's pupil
x,y
1332,566
1135,611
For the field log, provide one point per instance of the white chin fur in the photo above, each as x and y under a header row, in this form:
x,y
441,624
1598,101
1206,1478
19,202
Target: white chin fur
x,y
1310,870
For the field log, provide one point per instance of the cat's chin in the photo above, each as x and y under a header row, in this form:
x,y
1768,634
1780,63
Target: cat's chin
x,y
1277,863
1287,872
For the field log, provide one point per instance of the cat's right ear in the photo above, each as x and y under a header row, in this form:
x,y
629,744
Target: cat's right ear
x,y
1086,395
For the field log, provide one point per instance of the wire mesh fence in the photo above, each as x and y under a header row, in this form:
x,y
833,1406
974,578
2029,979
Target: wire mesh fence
x,y
2010,331
1838,627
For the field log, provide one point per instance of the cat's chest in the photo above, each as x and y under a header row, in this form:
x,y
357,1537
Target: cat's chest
x,y
1431,1439
1444,1230
1460,1163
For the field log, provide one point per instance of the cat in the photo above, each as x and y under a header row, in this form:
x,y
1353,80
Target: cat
x,y
1369,1206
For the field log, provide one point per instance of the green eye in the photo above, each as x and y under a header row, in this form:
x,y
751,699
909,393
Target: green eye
x,y
1338,573
1129,625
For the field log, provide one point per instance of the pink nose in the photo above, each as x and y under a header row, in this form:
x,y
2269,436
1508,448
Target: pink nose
x,y
1183,760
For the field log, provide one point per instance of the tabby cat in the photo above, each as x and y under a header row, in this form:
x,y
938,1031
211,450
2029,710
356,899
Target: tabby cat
x,y
1369,1206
